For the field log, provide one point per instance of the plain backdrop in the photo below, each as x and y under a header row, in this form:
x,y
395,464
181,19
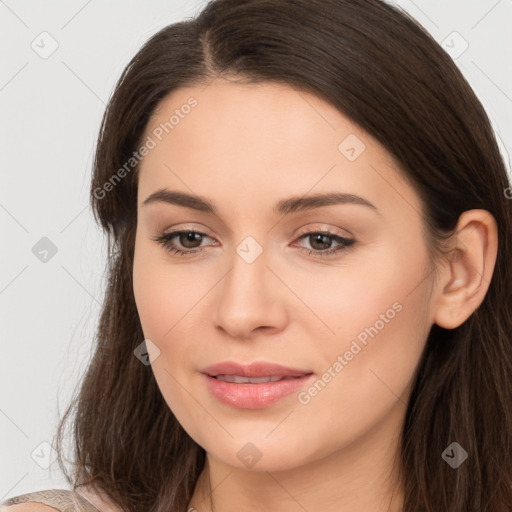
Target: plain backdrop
x,y
60,62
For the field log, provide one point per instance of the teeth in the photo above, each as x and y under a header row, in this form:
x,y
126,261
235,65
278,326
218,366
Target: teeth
x,y
244,380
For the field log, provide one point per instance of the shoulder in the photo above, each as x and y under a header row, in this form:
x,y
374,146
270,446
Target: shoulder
x,y
27,507
48,500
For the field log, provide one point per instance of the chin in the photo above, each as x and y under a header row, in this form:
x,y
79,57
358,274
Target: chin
x,y
261,456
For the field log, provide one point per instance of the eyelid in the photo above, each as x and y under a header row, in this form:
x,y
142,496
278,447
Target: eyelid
x,y
345,233
180,228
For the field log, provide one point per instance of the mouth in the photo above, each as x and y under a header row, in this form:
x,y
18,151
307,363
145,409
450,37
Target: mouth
x,y
239,379
256,385
242,392
254,370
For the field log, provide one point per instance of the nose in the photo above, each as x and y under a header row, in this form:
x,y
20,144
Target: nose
x,y
249,299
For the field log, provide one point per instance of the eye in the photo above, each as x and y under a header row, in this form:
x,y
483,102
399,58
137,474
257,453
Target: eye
x,y
191,241
320,239
187,238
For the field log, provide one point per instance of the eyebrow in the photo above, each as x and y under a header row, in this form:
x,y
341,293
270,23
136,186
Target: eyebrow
x,y
282,207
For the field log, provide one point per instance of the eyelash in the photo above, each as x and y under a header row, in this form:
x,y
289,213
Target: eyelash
x,y
345,243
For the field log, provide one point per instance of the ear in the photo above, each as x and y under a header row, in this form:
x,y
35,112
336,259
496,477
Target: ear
x,y
465,279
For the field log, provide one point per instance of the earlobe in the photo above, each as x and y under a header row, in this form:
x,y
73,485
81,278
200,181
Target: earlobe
x,y
465,279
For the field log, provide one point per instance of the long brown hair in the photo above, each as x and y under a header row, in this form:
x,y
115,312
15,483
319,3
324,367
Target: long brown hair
x,y
380,68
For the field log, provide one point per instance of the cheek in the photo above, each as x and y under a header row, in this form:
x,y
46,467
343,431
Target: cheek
x,y
163,296
379,334
376,374
171,311
164,293
340,300
151,294
368,323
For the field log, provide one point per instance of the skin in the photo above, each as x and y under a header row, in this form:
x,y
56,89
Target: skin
x,y
244,147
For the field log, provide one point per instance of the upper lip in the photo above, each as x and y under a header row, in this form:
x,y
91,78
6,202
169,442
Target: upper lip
x,y
256,369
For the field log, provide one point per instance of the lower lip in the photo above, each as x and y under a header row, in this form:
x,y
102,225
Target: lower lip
x,y
254,396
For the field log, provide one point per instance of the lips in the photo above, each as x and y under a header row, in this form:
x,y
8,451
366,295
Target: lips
x,y
258,369
253,386
254,395
237,379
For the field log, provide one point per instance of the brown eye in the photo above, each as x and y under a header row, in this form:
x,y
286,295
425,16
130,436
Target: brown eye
x,y
321,243
189,239
190,242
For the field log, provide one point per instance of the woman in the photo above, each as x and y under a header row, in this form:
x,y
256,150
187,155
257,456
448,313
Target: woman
x,y
308,307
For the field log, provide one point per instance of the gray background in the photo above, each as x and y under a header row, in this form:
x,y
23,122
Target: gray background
x,y
51,107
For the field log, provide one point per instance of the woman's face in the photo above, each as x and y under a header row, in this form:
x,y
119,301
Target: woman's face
x,y
259,282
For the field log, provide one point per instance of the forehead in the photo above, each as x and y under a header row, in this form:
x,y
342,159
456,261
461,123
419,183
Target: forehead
x,y
244,144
